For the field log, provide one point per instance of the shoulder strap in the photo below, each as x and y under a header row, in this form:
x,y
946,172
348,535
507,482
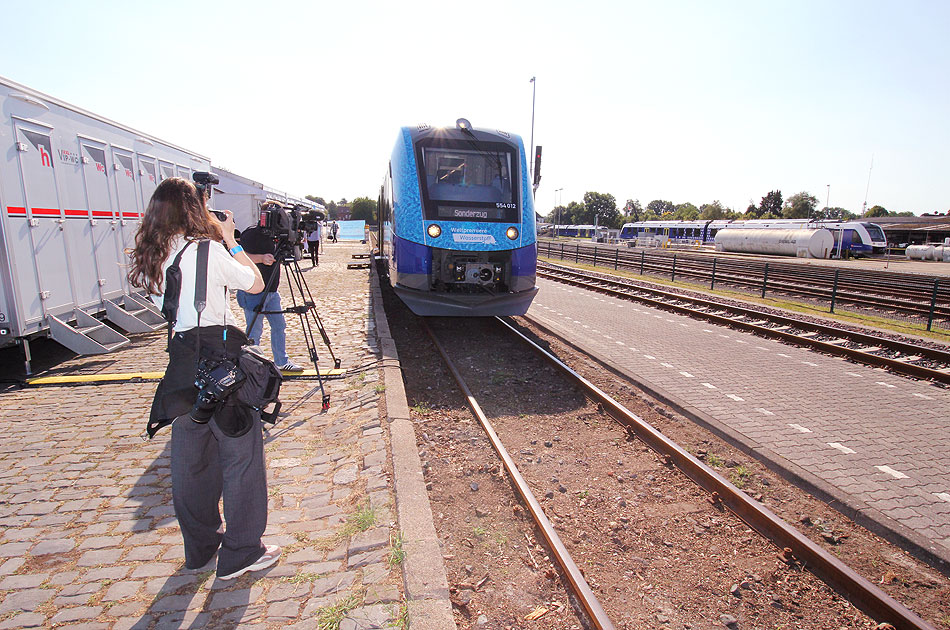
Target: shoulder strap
x,y
173,293
201,289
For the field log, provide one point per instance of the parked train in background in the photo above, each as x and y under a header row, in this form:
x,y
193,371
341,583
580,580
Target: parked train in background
x,y
457,222
857,238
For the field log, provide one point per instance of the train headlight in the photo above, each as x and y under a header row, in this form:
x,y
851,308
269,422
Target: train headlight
x,y
512,233
434,230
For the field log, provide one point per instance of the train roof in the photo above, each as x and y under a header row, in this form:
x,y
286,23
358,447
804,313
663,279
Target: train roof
x,y
418,132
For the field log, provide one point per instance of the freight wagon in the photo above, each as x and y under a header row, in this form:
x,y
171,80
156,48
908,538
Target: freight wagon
x,y
73,188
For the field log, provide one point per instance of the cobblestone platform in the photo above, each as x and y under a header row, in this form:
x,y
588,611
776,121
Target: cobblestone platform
x,y
88,537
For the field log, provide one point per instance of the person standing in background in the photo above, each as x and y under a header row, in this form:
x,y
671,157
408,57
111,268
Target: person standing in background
x,y
313,243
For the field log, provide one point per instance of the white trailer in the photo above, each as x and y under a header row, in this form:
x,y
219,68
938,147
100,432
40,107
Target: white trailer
x,y
73,189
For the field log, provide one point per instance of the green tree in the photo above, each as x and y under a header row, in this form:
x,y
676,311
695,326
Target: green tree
x,y
632,211
714,210
602,209
319,200
752,212
661,207
876,211
686,212
331,210
578,214
800,206
771,205
363,208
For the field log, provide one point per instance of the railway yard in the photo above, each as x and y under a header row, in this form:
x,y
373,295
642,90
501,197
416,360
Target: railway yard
x,y
707,461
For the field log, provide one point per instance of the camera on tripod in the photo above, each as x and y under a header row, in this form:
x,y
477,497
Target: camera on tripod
x,y
215,380
204,181
311,219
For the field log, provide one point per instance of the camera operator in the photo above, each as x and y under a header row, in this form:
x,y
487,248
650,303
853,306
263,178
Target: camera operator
x,y
208,460
262,249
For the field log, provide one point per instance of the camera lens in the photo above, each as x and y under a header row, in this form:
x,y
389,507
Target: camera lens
x,y
222,217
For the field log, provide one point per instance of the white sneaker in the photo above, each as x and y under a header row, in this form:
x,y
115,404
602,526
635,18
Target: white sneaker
x,y
290,366
270,557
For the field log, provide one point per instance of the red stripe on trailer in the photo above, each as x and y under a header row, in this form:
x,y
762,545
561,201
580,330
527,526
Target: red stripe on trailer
x,y
130,215
76,213
105,214
48,212
16,210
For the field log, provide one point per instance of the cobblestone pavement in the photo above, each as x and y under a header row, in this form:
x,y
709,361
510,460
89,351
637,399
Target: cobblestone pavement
x,y
88,537
872,442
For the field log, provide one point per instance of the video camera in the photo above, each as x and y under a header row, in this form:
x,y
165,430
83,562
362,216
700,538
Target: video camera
x,y
311,218
283,224
204,181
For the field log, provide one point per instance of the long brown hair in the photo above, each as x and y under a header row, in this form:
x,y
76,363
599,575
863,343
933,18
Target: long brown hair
x,y
176,207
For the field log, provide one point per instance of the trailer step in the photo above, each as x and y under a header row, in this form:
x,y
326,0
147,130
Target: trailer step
x,y
84,334
129,314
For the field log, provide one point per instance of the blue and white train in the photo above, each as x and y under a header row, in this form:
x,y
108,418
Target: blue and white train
x,y
457,222
858,238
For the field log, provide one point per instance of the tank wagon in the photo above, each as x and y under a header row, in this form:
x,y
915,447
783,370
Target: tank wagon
x,y
856,238
800,243
73,188
457,222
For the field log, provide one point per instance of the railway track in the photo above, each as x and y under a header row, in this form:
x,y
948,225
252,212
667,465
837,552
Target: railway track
x,y
914,295
795,549
913,360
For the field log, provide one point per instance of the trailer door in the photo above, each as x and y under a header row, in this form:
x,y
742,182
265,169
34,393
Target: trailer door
x,y
39,251
104,222
126,196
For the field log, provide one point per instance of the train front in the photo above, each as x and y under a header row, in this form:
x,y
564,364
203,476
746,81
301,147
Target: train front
x,y
463,240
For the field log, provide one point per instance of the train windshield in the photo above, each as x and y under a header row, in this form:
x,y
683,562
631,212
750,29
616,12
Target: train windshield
x,y
875,232
466,183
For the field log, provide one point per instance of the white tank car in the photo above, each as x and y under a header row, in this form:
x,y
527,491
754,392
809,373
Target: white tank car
x,y
800,243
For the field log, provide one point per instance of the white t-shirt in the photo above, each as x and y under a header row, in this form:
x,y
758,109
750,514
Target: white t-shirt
x,y
223,272
315,234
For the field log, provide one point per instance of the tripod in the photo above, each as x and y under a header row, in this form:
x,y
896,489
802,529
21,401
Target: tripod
x,y
305,309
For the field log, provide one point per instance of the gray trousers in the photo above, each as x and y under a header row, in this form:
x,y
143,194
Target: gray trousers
x,y
206,466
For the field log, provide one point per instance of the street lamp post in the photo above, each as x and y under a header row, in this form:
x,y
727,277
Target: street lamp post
x,y
534,88
557,207
827,200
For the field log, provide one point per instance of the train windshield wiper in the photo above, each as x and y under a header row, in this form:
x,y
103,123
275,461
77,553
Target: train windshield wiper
x,y
473,141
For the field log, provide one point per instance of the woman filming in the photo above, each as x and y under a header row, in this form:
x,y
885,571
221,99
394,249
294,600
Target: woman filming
x,y
208,459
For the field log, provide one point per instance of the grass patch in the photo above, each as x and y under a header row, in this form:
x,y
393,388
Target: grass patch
x,y
714,460
329,617
360,521
380,388
740,476
421,407
401,622
301,577
396,553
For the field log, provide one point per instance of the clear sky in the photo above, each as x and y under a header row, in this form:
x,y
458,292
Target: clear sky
x,y
677,100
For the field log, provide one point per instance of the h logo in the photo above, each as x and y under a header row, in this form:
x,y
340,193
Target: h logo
x,y
45,156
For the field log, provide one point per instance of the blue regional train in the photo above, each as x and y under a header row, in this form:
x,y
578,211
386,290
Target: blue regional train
x,y
457,222
859,238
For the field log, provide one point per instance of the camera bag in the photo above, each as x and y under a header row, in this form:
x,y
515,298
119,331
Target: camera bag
x,y
176,393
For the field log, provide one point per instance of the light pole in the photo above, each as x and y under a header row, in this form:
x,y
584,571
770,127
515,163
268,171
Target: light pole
x,y
557,207
827,198
534,88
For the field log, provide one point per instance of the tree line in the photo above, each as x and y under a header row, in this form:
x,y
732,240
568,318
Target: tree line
x,y
601,209
361,208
